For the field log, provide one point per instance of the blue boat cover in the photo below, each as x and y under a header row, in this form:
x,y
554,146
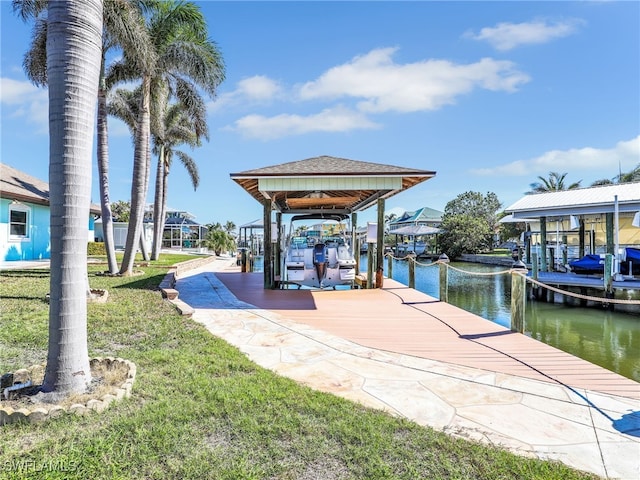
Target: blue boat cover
x,y
595,264
588,264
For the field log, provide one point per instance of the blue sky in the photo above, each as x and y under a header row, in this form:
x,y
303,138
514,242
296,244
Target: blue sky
x,y
490,95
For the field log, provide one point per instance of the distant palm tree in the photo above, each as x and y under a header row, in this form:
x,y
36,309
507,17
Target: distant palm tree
x,y
218,240
176,124
553,183
628,177
229,227
632,176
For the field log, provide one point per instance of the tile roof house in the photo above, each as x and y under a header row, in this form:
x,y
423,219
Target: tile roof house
x,y
24,216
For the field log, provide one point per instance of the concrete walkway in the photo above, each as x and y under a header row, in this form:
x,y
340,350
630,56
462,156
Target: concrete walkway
x,y
588,430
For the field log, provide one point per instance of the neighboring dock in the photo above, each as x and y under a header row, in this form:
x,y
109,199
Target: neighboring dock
x,y
583,289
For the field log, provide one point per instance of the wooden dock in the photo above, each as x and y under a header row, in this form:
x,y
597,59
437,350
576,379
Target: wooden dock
x,y
403,320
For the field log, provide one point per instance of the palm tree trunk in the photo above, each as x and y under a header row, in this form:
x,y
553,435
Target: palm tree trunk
x,y
143,244
138,192
157,207
103,173
143,234
165,186
74,43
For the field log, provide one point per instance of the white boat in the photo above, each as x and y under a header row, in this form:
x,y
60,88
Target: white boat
x,y
320,258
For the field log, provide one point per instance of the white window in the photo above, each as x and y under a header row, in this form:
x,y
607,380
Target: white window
x,y
18,222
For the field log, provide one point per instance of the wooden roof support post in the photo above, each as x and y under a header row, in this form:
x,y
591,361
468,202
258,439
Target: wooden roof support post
x,y
581,242
355,244
380,250
267,259
278,252
609,227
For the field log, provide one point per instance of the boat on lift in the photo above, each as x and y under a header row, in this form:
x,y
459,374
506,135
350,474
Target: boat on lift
x,y
320,258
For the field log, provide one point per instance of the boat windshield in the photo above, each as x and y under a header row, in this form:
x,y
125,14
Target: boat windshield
x,y
303,242
331,241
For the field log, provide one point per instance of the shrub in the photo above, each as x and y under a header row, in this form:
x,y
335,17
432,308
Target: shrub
x,y
96,248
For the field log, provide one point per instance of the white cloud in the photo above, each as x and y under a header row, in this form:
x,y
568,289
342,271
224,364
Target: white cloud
x,y
258,87
22,99
603,163
426,85
253,90
507,36
338,119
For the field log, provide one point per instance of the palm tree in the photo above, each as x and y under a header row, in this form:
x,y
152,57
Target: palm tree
x,y
178,127
123,27
182,124
555,182
229,227
73,43
186,60
218,240
628,177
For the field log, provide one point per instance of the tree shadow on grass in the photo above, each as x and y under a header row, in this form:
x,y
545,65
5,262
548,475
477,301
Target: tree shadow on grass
x,y
146,282
32,273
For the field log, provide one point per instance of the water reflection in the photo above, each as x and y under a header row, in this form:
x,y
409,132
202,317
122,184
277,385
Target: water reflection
x,y
609,339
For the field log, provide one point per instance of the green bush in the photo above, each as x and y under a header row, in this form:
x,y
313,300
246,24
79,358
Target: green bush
x,y
96,248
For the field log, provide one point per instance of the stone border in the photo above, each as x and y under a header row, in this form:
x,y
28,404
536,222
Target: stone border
x,y
167,286
40,414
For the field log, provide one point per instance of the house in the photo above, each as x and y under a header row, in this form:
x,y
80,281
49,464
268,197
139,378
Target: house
x,y
571,223
425,216
181,231
25,218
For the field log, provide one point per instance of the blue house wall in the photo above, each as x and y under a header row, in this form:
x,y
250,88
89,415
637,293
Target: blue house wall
x,y
36,244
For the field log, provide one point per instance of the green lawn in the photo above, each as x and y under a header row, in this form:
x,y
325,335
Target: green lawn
x,y
201,409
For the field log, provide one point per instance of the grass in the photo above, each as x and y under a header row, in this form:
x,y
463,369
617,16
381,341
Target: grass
x,y
201,409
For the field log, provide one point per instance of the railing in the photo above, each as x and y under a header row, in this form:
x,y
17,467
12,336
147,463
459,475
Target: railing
x,y
519,279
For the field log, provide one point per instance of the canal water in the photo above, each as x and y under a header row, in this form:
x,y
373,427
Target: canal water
x,y
606,338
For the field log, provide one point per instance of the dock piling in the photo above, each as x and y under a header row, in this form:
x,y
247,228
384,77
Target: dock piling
x,y
518,300
444,281
412,271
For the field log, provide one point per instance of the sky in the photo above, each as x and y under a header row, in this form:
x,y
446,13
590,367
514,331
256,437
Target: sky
x,y
489,95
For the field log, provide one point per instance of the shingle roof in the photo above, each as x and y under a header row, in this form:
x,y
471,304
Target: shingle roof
x,y
17,185
328,183
326,165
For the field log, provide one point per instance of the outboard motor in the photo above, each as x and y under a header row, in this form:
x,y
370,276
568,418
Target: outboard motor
x,y
320,260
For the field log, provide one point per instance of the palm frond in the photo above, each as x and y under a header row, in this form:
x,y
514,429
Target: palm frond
x,y
35,59
190,166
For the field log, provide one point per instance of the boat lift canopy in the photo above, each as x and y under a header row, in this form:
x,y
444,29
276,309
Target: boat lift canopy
x,y
324,185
